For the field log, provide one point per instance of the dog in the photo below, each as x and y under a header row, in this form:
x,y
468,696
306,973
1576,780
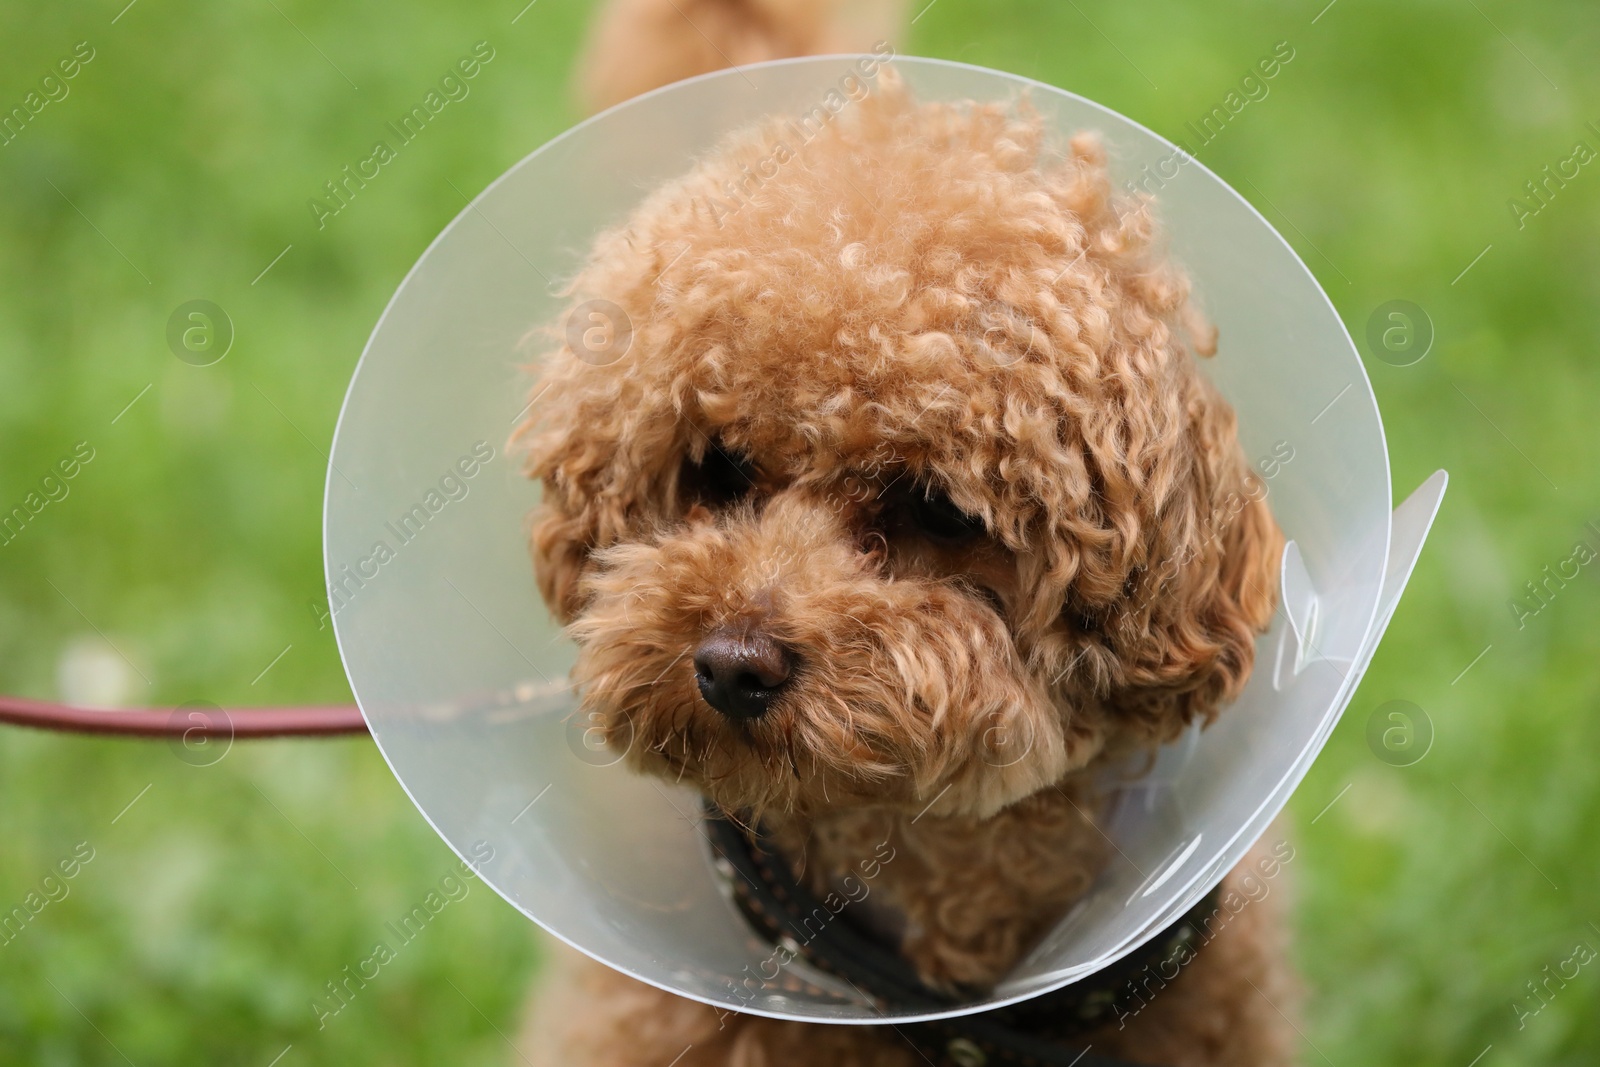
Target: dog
x,y
905,511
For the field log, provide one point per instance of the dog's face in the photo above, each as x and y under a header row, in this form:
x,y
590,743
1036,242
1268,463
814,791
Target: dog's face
x,y
907,490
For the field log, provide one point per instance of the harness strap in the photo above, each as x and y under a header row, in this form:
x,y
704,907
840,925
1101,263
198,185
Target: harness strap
x,y
1034,1033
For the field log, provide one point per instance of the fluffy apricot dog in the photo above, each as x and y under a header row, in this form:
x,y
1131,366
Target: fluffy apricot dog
x,y
906,507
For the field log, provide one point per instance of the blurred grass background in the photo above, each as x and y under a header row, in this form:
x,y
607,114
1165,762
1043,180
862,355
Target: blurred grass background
x,y
221,901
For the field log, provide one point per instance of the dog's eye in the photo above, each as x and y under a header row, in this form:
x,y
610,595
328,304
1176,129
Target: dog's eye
x,y
934,515
722,477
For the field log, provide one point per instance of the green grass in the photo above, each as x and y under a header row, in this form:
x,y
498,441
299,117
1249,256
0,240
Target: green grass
x,y
180,165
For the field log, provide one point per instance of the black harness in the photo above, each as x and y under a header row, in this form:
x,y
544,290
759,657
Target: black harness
x,y
1040,1032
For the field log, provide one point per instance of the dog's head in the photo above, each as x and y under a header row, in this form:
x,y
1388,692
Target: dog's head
x,y
906,488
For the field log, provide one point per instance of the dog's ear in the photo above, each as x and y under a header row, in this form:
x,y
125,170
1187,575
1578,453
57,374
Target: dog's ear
x,y
592,485
1184,639
564,528
560,542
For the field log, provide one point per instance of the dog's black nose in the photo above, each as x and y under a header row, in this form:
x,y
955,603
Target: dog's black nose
x,y
740,672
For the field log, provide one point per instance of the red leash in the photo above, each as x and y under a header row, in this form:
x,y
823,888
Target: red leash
x,y
192,722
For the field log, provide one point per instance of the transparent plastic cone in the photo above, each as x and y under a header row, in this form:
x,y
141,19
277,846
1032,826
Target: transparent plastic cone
x,y
460,671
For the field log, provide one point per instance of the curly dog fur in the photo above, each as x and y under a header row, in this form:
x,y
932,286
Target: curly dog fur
x,y
918,400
